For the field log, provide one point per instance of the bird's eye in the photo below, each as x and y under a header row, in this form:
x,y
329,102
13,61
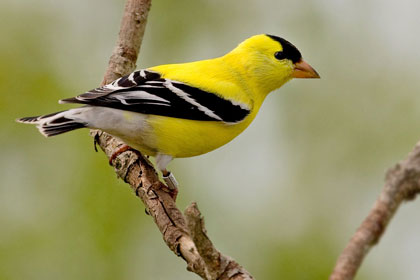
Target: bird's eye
x,y
279,55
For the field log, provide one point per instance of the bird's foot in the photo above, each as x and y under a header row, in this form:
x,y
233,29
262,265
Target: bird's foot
x,y
158,185
121,150
173,193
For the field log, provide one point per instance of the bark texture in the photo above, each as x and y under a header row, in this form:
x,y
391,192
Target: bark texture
x,y
184,235
402,183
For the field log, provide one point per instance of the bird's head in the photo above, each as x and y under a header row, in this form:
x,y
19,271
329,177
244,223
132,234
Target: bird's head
x,y
270,61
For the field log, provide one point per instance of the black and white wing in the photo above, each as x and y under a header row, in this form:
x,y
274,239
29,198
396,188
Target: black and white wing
x,y
146,92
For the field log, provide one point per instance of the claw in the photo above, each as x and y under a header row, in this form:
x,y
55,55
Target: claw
x,y
96,141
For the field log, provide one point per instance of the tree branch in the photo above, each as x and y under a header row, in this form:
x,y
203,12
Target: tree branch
x,y
195,248
402,183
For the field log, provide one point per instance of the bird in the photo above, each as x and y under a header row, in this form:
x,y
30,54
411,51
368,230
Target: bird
x,y
186,109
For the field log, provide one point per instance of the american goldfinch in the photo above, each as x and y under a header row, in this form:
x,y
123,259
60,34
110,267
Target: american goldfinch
x,y
184,110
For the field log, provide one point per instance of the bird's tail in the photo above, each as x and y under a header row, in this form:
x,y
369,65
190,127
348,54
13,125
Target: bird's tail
x,y
56,123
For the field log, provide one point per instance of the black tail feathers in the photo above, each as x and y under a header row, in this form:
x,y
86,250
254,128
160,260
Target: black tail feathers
x,y
54,124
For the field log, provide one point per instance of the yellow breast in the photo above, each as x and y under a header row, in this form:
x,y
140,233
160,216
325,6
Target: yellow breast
x,y
187,138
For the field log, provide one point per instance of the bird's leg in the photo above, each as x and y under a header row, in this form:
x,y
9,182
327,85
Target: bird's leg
x,y
171,183
162,160
121,150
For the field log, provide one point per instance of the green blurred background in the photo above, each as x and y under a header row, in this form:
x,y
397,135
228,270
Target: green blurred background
x,y
282,199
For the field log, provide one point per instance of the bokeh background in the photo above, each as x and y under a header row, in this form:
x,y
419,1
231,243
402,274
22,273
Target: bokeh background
x,y
282,199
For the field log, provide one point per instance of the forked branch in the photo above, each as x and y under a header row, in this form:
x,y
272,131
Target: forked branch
x,y
184,235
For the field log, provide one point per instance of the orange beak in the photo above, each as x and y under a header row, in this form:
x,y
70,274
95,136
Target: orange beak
x,y
304,71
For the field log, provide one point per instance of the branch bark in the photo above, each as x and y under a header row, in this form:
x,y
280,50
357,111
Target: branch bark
x,y
402,183
184,235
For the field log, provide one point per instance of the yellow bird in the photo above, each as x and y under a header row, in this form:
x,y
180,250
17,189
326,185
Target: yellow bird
x,y
184,110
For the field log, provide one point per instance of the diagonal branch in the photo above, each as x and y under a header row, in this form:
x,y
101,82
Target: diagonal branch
x,y
195,248
402,184
133,24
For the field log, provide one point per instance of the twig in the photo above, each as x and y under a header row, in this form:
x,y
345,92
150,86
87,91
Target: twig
x,y
133,24
402,183
217,265
201,257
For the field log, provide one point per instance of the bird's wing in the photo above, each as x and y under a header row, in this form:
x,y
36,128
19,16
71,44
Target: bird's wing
x,y
146,92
